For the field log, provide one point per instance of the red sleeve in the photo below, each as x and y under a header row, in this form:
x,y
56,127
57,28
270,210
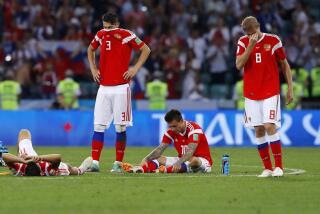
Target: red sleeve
x,y
132,40
167,138
97,40
194,138
240,48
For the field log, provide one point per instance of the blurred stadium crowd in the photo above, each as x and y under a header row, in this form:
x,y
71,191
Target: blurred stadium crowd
x,y
193,42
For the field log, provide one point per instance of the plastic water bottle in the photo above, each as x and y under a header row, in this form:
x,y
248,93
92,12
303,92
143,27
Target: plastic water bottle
x,y
225,164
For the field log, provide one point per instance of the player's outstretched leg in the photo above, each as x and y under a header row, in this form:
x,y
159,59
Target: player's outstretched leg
x,y
97,146
121,139
151,167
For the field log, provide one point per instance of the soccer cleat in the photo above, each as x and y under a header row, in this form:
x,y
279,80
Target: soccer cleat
x,y
265,173
85,165
277,172
137,169
94,167
116,168
162,169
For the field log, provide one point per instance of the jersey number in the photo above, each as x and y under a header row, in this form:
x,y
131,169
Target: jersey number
x,y
272,114
258,57
108,45
184,149
124,116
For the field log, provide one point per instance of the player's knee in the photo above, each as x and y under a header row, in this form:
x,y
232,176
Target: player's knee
x,y
120,128
24,134
270,128
195,162
162,160
99,127
260,131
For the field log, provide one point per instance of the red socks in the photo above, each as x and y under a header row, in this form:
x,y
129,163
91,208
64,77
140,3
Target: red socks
x,y
151,168
121,139
97,145
264,155
277,154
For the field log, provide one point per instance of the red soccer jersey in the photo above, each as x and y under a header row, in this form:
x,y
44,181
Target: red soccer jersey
x,y
115,52
193,134
46,168
261,74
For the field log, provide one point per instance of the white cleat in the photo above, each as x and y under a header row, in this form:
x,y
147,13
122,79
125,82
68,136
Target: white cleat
x,y
94,167
137,169
277,172
116,168
85,165
265,173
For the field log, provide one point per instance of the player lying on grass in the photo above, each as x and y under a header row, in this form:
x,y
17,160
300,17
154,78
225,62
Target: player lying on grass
x,y
189,141
28,163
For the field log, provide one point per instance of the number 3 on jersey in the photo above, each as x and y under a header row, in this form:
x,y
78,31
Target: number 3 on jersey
x,y
258,57
108,45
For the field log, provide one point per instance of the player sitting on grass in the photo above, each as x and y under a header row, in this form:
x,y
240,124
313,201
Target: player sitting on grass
x,y
28,163
189,141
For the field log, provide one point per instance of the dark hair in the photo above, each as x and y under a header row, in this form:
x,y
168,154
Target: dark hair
x,y
110,17
173,114
32,169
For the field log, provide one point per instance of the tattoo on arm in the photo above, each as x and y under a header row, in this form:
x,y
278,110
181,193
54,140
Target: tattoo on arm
x,y
157,152
190,151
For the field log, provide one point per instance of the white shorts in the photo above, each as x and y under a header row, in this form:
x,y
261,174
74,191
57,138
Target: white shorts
x,y
259,112
113,103
26,148
205,165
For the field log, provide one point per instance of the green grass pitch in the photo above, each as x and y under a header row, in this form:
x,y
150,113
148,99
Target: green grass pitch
x,y
103,192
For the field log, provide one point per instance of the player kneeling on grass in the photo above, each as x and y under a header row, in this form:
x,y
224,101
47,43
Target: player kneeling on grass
x,y
28,163
189,141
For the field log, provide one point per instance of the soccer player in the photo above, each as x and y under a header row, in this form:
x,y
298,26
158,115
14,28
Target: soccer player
x,y
259,54
189,141
113,101
28,163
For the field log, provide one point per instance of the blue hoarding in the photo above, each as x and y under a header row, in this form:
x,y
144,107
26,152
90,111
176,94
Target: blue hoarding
x,y
222,128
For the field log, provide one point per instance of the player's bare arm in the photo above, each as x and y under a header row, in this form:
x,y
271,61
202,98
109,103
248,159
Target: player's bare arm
x,y
156,153
11,159
94,70
242,59
145,52
285,67
52,158
189,153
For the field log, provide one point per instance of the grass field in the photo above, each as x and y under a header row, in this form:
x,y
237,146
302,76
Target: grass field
x,y
103,192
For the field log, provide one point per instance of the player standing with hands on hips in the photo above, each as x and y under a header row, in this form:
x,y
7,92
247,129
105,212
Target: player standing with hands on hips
x,y
259,54
113,101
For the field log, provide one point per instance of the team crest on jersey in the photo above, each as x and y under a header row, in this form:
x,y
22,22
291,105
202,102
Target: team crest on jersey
x,y
117,36
267,47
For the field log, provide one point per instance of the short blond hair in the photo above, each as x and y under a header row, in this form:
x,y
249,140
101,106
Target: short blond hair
x,y
250,22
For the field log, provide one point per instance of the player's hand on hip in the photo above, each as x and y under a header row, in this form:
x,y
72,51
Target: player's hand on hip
x,y
253,39
289,96
130,73
96,75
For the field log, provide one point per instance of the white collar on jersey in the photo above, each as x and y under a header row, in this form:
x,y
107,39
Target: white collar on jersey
x,y
110,29
263,34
